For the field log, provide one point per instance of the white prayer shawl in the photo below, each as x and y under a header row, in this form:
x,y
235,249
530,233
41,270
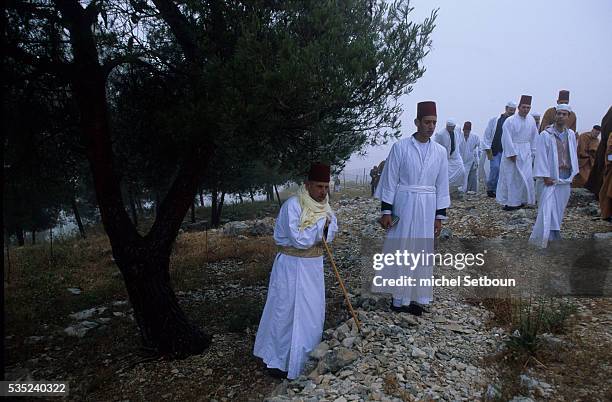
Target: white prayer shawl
x,y
292,321
470,152
416,189
515,185
456,171
553,199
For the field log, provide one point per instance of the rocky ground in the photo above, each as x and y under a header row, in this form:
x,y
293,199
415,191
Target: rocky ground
x,y
450,353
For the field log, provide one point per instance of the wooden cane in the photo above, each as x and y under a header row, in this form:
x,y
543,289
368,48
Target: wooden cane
x,y
348,302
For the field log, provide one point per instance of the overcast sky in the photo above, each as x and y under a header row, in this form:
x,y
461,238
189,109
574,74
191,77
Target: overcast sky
x,y
485,53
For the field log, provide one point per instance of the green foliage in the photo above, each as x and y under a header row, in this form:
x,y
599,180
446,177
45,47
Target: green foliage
x,y
533,318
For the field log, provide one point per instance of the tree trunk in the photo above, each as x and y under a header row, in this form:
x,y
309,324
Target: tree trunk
x,y
277,196
33,237
133,207
217,206
193,217
201,198
20,237
77,217
163,324
240,198
213,209
252,196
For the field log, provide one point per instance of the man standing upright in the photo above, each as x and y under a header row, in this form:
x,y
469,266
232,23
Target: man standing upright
x,y
374,176
470,152
450,138
492,145
550,114
537,117
292,321
587,148
556,164
414,187
515,186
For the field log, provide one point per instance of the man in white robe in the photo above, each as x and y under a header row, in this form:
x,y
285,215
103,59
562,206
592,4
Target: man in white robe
x,y
292,321
470,152
414,187
484,166
493,146
450,139
556,164
515,187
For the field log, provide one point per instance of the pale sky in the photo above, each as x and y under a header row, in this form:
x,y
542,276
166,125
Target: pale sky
x,y
485,53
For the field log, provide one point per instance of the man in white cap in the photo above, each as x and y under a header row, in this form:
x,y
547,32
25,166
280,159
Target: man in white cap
x,y
556,164
550,113
515,186
536,117
292,321
450,138
470,151
492,145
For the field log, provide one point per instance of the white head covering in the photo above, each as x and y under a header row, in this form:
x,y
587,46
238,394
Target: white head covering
x,y
511,104
536,114
565,107
450,123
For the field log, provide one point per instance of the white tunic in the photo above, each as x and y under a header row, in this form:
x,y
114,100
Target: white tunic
x,y
456,171
484,165
470,153
553,199
515,185
292,321
416,188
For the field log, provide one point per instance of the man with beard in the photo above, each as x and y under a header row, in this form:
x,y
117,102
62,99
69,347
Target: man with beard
x,y
515,186
292,321
587,147
549,115
450,138
492,145
469,146
556,164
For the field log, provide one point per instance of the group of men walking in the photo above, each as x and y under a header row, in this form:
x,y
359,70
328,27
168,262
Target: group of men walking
x,y
414,187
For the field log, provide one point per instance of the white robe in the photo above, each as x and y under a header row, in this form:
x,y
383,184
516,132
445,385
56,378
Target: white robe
x,y
292,321
470,153
553,199
489,133
484,165
515,185
456,171
416,189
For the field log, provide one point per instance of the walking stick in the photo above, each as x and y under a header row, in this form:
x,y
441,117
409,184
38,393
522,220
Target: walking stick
x,y
348,302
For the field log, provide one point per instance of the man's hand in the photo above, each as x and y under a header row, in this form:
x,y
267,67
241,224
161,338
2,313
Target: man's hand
x,y
386,221
548,181
437,227
512,158
489,154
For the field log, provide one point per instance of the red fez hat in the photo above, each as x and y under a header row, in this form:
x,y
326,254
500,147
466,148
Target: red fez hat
x,y
467,125
564,95
525,100
427,108
319,172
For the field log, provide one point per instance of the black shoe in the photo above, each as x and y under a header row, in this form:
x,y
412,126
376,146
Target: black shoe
x,y
276,373
509,208
491,194
415,309
400,309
